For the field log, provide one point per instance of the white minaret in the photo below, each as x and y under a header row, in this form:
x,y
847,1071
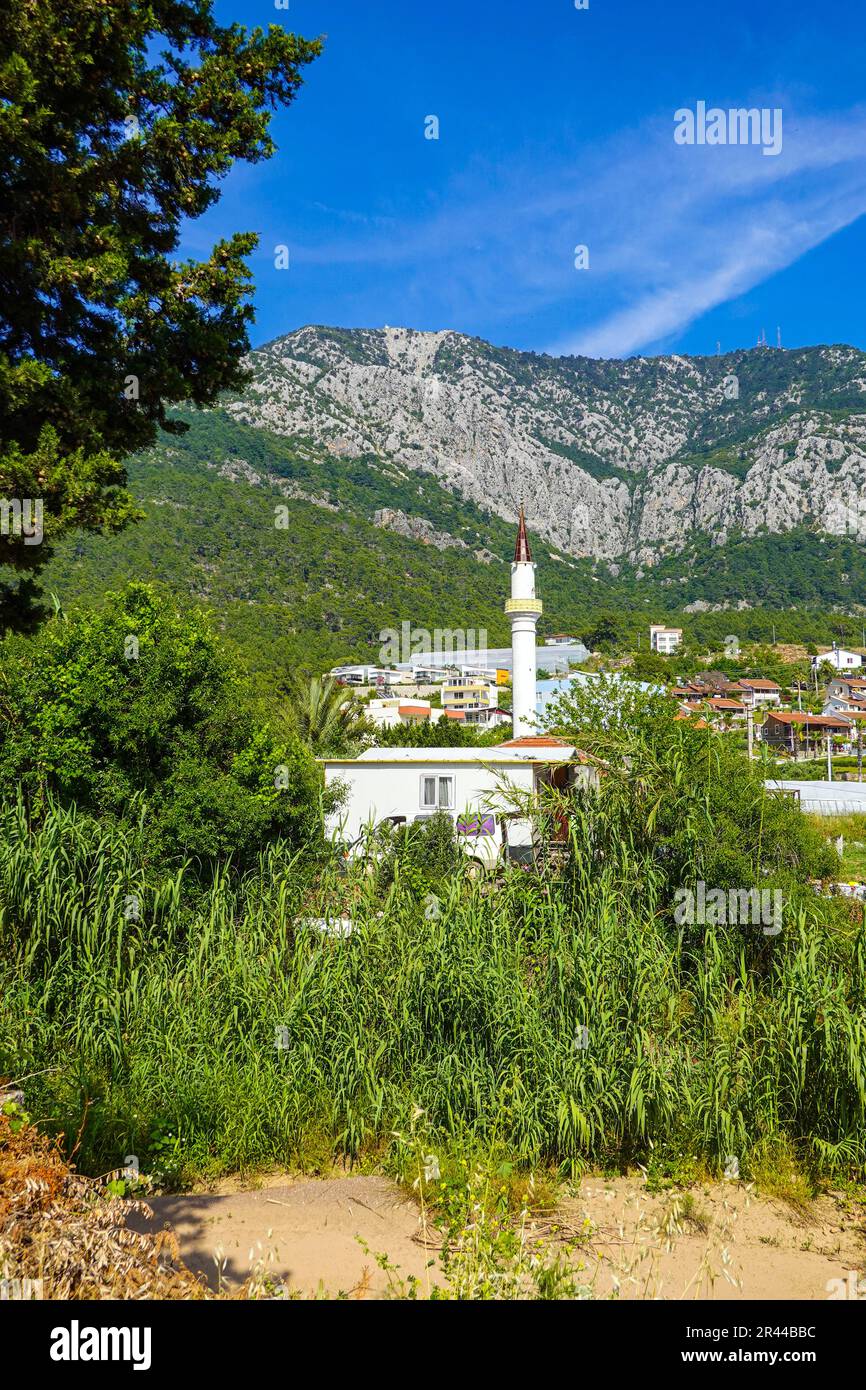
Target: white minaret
x,y
524,610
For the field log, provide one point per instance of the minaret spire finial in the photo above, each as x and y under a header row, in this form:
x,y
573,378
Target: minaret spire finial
x,y
521,549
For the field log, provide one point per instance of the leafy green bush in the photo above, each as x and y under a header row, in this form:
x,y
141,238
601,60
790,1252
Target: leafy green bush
x,y
101,709
682,801
427,849
445,733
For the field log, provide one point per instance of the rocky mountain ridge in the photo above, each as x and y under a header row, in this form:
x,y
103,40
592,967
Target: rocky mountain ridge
x,y
613,460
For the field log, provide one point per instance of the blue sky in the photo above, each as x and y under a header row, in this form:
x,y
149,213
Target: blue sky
x,y
556,130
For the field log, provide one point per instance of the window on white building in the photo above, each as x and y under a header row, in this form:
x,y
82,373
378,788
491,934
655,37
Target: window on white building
x,y
437,793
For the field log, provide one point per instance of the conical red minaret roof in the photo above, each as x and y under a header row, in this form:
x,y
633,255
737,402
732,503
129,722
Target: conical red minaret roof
x,y
521,549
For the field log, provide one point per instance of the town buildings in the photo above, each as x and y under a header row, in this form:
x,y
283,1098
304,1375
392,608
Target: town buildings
x,y
845,694
378,676
490,792
759,694
472,696
734,698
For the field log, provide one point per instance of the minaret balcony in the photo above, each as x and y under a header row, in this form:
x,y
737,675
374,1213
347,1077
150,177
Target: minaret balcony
x,y
524,605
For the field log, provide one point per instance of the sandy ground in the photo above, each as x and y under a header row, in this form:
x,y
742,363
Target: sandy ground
x,y
727,1243
304,1235
733,1245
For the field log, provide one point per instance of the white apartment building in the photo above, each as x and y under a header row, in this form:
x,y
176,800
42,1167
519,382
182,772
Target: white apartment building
x,y
469,696
366,675
664,639
428,675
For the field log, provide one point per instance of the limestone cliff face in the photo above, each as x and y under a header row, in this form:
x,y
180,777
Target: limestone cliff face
x,y
612,459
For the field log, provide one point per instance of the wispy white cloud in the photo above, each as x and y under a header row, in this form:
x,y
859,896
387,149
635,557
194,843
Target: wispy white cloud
x,y
672,230
707,224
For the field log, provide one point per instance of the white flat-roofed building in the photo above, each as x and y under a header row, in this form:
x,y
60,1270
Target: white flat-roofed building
x,y
479,673
665,639
366,675
428,674
471,785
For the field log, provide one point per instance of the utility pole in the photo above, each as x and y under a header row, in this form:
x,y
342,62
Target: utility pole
x,y
750,732
829,759
859,751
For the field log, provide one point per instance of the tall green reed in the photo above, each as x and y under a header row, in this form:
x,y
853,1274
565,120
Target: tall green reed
x,y
562,1021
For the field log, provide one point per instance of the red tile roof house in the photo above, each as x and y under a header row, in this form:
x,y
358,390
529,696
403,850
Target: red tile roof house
x,y
694,692
490,718
802,735
715,683
692,697
687,694
757,694
389,712
729,710
707,687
